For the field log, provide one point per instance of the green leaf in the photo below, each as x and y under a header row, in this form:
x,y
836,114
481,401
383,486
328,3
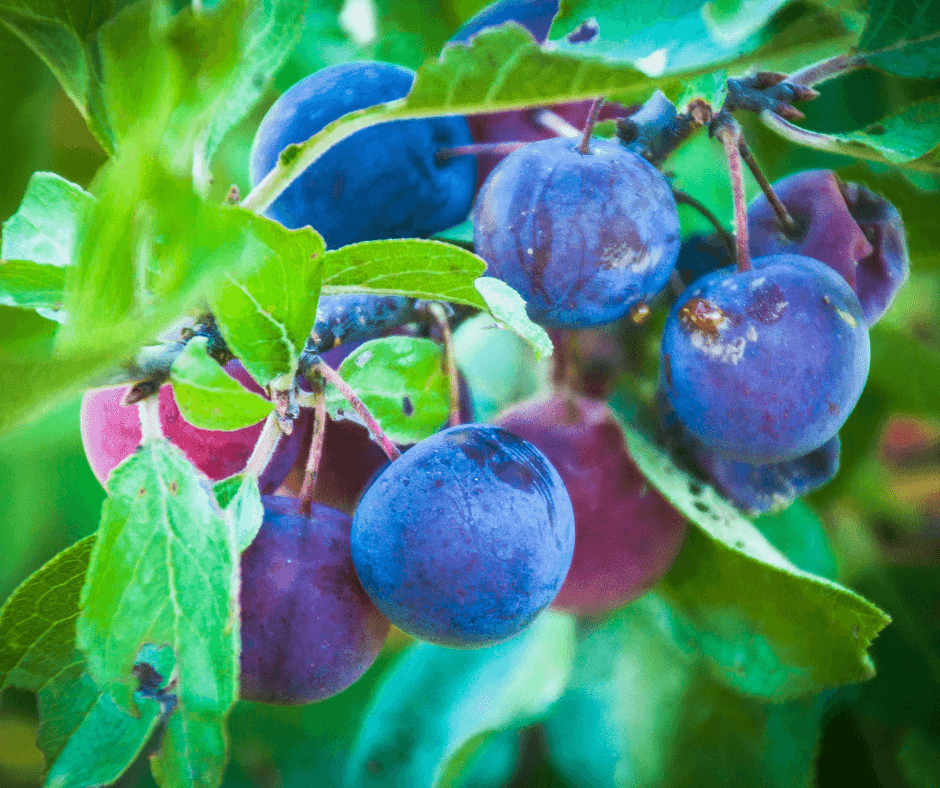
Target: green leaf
x,y
433,270
637,714
401,380
267,316
799,534
435,701
903,37
164,571
46,226
904,371
240,500
208,397
37,653
30,285
460,234
711,88
766,627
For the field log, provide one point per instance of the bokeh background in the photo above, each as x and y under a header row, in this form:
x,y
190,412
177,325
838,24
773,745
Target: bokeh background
x,y
882,513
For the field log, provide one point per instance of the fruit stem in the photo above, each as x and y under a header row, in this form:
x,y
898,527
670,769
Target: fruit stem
x,y
475,149
149,411
555,123
783,215
729,133
687,199
439,315
312,467
264,449
827,69
593,115
332,377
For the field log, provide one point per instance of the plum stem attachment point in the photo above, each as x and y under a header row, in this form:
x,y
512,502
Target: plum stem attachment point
x,y
555,123
593,115
332,377
729,133
149,411
264,449
787,224
827,69
686,199
475,149
312,468
439,314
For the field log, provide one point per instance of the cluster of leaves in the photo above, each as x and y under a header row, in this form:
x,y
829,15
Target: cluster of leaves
x,y
748,626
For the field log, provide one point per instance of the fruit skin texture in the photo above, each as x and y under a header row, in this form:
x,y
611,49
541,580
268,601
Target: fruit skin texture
x,y
308,628
354,317
765,365
854,231
583,238
382,182
111,433
628,535
465,538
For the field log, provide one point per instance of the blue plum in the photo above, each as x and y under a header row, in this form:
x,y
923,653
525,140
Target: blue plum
x,y
465,538
308,628
382,182
534,15
354,317
854,231
582,237
628,535
765,365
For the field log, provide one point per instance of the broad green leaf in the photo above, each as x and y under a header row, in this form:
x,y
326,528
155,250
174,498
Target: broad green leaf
x,y
30,285
711,88
767,627
38,653
799,534
903,36
637,714
433,270
436,701
735,20
164,571
240,500
267,315
402,382
910,138
207,396
905,372
46,226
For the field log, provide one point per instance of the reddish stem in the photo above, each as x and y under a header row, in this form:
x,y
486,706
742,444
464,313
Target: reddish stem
x,y
593,115
476,148
312,467
332,377
555,123
730,135
450,361
827,69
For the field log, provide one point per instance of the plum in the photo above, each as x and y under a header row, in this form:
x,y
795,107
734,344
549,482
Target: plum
x,y
465,538
627,534
308,628
383,181
534,15
583,238
854,231
765,365
111,433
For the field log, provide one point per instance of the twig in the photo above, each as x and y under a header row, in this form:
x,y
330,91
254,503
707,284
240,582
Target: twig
x,y
476,148
729,133
315,454
265,447
332,377
450,360
827,69
555,123
584,147
149,411
783,215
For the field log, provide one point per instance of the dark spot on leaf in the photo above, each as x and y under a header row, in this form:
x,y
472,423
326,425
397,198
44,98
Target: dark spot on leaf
x,y
696,489
701,507
876,128
289,153
141,492
407,407
174,487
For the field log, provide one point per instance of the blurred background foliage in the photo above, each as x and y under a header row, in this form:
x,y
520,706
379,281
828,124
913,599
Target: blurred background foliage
x,y
882,513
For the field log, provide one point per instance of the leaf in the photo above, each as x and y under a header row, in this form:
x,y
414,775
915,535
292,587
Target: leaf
x,y
164,571
909,138
31,285
637,714
904,371
903,37
711,88
435,701
46,226
432,270
401,380
799,534
240,500
267,316
767,627
207,397
37,653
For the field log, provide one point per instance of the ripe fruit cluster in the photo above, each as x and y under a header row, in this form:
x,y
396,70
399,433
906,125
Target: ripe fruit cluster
x,y
470,534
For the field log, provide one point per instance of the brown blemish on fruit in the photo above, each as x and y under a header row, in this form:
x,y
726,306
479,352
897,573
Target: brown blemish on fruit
x,y
702,316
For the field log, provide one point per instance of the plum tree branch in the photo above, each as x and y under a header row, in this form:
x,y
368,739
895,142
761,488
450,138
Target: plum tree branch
x,y
312,467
